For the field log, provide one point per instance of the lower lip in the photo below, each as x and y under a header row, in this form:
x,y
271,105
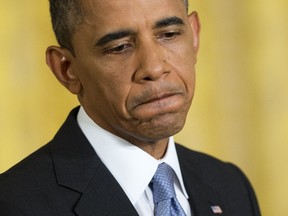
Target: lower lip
x,y
169,104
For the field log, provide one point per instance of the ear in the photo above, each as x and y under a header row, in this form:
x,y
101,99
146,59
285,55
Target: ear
x,y
59,61
195,25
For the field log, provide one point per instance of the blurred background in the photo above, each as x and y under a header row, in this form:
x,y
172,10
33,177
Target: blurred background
x,y
240,110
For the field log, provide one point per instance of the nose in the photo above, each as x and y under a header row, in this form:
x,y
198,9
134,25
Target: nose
x,y
152,61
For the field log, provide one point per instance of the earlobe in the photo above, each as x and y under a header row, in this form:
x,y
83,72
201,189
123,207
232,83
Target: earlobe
x,y
59,61
195,25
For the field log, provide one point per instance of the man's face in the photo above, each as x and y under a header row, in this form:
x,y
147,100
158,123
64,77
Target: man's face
x,y
135,62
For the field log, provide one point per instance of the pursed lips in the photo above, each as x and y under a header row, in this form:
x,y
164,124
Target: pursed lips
x,y
155,99
160,95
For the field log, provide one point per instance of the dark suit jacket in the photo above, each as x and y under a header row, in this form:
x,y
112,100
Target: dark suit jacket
x,y
66,177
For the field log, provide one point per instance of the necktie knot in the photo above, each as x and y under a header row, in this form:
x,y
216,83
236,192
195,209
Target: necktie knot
x,y
164,196
162,183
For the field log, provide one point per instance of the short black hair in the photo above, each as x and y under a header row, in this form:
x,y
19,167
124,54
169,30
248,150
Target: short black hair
x,y
66,16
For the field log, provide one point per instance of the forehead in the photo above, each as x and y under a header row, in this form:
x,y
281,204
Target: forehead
x,y
118,13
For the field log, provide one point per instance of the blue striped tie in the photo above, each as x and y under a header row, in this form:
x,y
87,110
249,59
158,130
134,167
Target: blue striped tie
x,y
164,196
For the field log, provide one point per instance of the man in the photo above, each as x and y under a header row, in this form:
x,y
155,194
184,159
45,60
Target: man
x,y
131,65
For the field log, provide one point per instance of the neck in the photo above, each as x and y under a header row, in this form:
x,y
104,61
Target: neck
x,y
155,149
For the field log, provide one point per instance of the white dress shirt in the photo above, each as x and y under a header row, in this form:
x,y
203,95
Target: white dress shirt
x,y
132,167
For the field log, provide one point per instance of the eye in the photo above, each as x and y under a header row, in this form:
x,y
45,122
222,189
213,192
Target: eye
x,y
169,35
118,49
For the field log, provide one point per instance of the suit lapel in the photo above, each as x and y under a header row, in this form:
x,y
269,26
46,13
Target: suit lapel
x,y
104,196
201,197
78,168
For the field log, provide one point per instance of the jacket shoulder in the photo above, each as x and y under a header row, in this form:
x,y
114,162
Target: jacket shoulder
x,y
27,171
225,179
209,169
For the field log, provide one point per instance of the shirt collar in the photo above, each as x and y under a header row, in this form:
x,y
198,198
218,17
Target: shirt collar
x,y
132,167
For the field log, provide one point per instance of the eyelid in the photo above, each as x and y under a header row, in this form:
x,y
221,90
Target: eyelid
x,y
173,32
113,49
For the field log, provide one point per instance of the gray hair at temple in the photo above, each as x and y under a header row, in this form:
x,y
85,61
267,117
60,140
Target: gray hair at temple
x,y
66,16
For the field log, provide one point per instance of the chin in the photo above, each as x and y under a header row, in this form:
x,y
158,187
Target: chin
x,y
162,126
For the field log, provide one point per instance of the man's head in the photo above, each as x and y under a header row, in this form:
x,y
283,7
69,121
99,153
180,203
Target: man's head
x,y
132,66
66,16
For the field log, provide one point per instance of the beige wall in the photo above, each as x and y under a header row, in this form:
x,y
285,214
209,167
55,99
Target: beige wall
x,y
240,110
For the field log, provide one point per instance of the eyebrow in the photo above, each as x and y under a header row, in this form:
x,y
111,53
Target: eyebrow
x,y
168,22
114,36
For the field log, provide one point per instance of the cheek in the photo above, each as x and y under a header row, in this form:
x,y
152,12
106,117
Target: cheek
x,y
183,61
115,85
103,83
